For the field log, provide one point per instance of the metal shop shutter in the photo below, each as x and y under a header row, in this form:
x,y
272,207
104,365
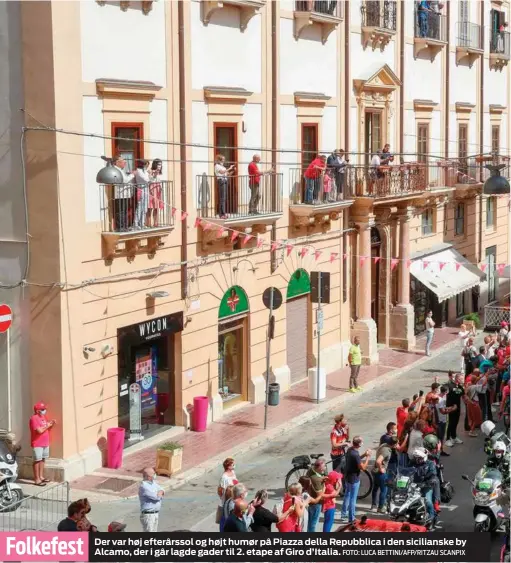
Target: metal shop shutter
x,y
297,337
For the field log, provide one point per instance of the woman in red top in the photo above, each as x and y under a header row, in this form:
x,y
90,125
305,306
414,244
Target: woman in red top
x,y
293,507
339,438
332,490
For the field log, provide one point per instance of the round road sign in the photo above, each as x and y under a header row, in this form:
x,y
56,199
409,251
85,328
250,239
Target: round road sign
x,y
5,318
277,298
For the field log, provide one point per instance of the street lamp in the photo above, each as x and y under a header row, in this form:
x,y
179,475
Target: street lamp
x,y
496,184
109,174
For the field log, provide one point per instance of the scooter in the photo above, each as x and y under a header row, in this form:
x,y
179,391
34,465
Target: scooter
x,y
486,490
11,493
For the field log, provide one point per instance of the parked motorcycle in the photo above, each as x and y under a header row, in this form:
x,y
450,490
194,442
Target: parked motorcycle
x,y
406,500
11,493
486,490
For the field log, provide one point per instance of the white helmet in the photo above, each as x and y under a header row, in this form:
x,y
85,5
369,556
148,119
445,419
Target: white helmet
x,y
420,454
499,447
487,427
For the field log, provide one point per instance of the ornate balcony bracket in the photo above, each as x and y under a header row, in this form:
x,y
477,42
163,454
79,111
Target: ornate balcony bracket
x,y
248,9
147,5
498,61
377,37
327,22
312,216
467,55
131,243
428,46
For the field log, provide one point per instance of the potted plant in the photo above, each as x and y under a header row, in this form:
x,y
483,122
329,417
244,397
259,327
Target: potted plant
x,y
472,320
169,458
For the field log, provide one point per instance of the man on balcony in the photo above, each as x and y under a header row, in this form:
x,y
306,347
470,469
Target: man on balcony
x,y
123,197
337,164
424,9
255,183
313,178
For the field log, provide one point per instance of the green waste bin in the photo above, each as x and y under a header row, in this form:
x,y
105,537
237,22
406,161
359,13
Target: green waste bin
x,y
273,394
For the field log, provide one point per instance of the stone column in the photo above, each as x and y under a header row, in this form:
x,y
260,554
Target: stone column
x,y
402,334
365,327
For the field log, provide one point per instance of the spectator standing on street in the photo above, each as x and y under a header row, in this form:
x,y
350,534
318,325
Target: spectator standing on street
x,y
236,521
292,510
339,438
333,486
355,463
442,413
263,518
228,478
317,477
381,475
40,428
430,331
455,392
150,495
401,415
355,361
390,438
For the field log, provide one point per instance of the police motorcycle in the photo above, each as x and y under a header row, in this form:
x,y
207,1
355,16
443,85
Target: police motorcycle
x,y
11,493
493,436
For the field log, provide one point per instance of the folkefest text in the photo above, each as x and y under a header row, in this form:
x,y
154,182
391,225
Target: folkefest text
x,y
44,546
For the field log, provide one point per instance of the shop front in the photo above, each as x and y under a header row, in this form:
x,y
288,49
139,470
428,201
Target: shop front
x,y
147,356
298,314
233,347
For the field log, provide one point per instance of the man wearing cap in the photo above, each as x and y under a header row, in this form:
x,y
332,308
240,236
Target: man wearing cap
x,y
40,441
150,495
116,527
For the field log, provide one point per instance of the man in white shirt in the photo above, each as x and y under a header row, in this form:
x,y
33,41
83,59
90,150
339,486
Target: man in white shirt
x,y
430,331
442,412
123,197
150,495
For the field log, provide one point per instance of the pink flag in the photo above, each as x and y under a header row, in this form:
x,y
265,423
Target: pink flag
x,y
500,269
393,263
376,259
246,239
333,256
221,231
206,226
260,241
458,266
303,251
441,265
344,256
274,246
408,263
234,236
317,254
174,212
184,215
362,260
289,248
482,267
197,222
425,264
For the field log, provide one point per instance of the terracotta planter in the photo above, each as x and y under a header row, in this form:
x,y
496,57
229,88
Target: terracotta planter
x,y
168,462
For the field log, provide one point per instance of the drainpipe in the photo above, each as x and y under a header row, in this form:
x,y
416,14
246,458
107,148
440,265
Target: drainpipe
x,y
481,130
274,125
402,79
347,90
182,151
447,79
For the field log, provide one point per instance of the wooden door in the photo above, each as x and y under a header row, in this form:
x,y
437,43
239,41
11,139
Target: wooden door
x,y
373,134
309,151
226,142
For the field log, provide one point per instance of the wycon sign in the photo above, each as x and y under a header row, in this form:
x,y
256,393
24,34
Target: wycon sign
x,y
155,328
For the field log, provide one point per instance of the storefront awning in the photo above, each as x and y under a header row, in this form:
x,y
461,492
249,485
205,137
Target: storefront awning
x,y
439,273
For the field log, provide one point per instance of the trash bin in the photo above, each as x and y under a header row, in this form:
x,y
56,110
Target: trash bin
x,y
273,394
200,413
115,447
313,384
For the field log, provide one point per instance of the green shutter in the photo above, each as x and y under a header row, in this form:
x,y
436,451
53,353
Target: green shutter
x,y
299,284
234,302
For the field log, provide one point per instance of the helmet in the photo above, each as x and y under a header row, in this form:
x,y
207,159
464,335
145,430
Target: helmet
x,y
430,442
499,447
487,427
420,455
446,492
39,407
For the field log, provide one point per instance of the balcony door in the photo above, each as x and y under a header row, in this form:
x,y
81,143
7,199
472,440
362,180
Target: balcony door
x,y
226,141
373,134
309,152
126,143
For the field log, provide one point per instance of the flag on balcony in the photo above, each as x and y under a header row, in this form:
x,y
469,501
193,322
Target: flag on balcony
x,y
246,239
376,259
425,264
333,256
206,226
500,269
317,254
260,241
303,252
344,256
221,231
408,263
362,260
274,246
234,236
483,266
289,248
174,212
458,266
441,265
184,215
393,263
197,222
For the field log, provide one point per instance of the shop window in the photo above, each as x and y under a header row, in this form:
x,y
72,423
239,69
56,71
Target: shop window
x,y
490,212
127,142
427,222
495,139
459,219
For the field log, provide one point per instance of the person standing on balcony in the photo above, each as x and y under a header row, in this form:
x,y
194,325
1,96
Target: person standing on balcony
x,y
142,180
423,9
337,164
255,183
155,193
123,197
430,331
386,156
313,178
222,177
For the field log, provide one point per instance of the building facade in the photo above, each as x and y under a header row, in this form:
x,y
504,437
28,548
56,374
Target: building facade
x,y
108,290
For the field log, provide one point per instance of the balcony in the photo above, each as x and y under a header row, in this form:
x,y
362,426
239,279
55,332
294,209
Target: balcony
x,y
378,23
499,49
238,204
316,201
468,43
247,8
326,14
430,33
135,219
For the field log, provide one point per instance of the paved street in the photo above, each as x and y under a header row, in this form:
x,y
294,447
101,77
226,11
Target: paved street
x,y
193,506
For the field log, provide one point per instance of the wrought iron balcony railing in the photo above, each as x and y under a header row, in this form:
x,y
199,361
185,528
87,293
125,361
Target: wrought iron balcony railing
x,y
131,208
379,13
468,35
321,188
239,197
388,181
323,7
430,25
500,44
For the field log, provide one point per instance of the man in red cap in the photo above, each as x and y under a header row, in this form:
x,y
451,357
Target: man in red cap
x,y
40,441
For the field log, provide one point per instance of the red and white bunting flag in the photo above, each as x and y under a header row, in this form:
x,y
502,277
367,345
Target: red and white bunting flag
x,y
234,236
483,266
260,241
500,269
274,246
317,254
408,263
206,226
376,259
174,212
333,256
393,263
184,215
246,239
289,249
221,231
344,256
441,265
425,264
362,260
458,266
197,222
303,251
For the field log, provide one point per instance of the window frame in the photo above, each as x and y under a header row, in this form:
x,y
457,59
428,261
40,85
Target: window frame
x,y
428,226
314,126
491,217
459,218
139,146
463,149
422,156
495,139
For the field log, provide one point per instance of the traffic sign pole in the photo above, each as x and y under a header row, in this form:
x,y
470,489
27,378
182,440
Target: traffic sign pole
x,y
319,322
268,353
9,399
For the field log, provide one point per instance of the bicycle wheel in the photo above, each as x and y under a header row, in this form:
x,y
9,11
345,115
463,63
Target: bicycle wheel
x,y
294,475
366,484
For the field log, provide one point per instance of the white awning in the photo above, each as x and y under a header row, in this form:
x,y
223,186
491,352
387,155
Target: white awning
x,y
445,280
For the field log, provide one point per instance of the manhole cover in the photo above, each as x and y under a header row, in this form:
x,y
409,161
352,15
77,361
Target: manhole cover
x,y
115,484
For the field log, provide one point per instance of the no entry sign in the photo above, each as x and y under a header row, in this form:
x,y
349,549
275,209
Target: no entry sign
x,y
5,318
